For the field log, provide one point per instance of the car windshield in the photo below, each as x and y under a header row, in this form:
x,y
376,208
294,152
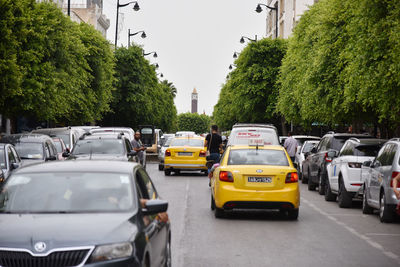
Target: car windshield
x,y
58,146
99,146
2,159
67,192
30,150
257,157
65,138
241,136
188,142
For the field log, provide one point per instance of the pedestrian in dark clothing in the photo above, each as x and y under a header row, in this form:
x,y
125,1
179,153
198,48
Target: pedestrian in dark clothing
x,y
213,144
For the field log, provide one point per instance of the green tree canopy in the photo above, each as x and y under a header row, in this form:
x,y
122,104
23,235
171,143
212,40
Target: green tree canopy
x,y
194,122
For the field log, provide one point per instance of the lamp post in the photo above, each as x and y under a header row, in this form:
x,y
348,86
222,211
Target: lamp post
x,y
231,66
146,54
135,7
259,9
143,35
251,40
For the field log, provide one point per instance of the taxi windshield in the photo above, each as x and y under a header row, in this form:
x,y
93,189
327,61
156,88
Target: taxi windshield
x,y
188,142
67,192
257,157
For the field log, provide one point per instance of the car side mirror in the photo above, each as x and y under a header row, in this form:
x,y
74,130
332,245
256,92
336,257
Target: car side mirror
x,y
51,158
154,206
376,164
332,154
65,154
367,163
14,166
314,150
132,153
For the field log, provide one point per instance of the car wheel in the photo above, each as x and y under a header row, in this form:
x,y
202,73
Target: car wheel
x,y
321,184
293,214
177,172
212,203
344,198
168,257
366,209
219,213
385,212
167,172
311,185
329,196
160,167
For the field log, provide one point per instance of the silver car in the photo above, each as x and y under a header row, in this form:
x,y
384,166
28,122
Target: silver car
x,y
161,151
378,193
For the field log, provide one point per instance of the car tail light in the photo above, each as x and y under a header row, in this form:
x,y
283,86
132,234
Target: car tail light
x,y
226,176
394,174
202,153
292,177
168,153
327,159
356,184
354,165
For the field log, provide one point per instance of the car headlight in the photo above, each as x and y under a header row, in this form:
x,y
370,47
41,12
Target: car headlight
x,y
111,252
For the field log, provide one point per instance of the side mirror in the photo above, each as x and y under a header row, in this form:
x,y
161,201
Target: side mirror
x,y
367,163
65,154
333,154
132,153
68,149
376,164
314,150
307,154
154,206
51,158
14,166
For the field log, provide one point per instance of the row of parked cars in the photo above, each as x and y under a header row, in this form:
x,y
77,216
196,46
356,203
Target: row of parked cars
x,y
97,208
345,167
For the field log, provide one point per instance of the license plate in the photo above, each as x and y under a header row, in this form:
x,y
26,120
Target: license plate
x,y
184,153
259,179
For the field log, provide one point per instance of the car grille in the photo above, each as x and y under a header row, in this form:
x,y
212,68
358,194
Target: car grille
x,y
54,259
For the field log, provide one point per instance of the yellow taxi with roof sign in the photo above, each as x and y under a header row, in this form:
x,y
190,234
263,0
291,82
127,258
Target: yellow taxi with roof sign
x,y
255,176
185,154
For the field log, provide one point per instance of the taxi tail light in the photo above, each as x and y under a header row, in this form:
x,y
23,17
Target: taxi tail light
x,y
292,177
226,176
326,158
202,153
394,174
168,153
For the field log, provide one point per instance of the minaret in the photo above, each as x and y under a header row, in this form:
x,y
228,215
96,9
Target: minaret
x,y
194,101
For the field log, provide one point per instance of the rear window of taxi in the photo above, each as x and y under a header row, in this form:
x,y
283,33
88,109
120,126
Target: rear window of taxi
x,y
257,157
241,136
188,142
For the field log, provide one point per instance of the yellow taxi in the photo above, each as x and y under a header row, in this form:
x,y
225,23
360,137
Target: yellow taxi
x,y
255,177
185,153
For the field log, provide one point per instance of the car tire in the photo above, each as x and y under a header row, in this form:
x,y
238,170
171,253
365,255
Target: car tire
x,y
311,185
386,213
168,256
293,214
205,173
219,213
366,209
321,184
212,203
167,172
160,167
304,179
329,196
344,198
177,172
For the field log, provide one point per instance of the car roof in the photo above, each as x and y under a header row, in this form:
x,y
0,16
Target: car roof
x,y
263,125
266,147
81,166
25,138
189,137
306,136
107,135
348,135
368,141
53,130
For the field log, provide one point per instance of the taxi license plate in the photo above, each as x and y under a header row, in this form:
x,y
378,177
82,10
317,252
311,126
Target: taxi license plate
x,y
184,153
259,179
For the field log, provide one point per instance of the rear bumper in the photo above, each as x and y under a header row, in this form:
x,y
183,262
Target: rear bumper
x,y
188,167
272,199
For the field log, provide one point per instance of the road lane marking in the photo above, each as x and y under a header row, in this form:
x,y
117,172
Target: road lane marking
x,y
184,225
353,231
382,234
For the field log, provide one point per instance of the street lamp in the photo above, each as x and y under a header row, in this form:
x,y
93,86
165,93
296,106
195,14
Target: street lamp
x,y
156,66
231,66
259,9
146,54
135,7
143,35
161,75
251,40
235,54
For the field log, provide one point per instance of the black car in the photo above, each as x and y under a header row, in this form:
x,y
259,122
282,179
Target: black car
x,y
82,213
109,146
9,161
32,148
317,161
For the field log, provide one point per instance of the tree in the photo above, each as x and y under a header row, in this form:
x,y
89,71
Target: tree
x,y
194,122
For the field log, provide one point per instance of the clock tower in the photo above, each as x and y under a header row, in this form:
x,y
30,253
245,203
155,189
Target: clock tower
x,y
194,100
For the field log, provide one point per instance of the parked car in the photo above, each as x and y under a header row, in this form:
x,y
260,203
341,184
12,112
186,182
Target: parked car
x,y
9,161
32,148
161,153
300,141
255,177
316,169
111,146
128,132
242,133
83,213
304,150
377,188
67,134
345,173
62,151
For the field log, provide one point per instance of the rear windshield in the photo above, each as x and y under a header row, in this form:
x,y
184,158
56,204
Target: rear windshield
x,y
257,157
188,142
58,146
29,150
367,151
241,136
307,147
300,141
2,159
100,146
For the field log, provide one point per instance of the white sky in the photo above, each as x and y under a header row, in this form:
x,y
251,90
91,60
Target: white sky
x,y
194,40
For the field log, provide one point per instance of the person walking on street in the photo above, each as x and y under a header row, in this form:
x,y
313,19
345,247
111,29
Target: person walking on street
x,y
291,146
213,143
138,147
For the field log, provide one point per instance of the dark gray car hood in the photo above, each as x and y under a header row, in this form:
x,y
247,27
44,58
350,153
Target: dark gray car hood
x,y
65,230
99,157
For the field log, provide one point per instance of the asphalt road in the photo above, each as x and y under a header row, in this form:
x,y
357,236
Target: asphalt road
x,y
324,234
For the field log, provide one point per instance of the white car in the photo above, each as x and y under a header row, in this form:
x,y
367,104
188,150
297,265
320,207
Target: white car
x,y
345,177
300,154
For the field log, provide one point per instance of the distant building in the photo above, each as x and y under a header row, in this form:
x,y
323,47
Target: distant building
x,y
289,13
194,100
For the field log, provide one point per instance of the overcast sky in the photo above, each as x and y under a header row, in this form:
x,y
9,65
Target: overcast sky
x,y
194,40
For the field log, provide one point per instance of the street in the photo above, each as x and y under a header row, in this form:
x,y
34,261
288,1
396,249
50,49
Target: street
x,y
324,234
